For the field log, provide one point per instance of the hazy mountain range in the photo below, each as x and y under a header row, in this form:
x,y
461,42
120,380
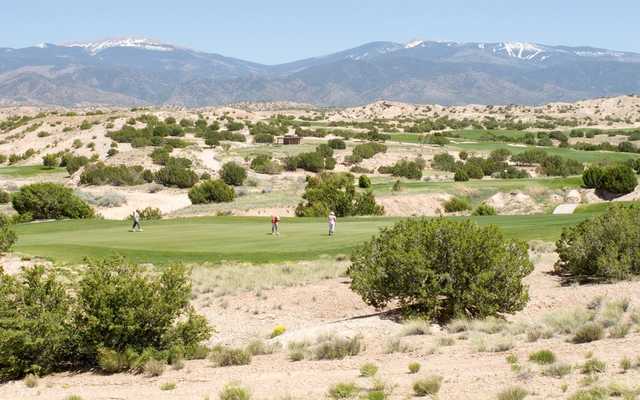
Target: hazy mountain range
x,y
141,71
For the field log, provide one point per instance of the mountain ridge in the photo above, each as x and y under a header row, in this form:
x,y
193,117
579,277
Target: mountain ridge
x,y
133,71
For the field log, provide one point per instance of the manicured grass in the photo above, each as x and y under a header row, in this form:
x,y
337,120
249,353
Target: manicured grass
x,y
600,207
578,155
243,239
28,171
487,185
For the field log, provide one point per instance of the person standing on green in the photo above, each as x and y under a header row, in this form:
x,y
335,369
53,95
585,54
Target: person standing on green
x,y
332,223
275,225
136,221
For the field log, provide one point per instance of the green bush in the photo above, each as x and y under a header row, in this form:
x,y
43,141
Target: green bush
x,y
5,197
263,164
542,357
234,392
212,191
50,161
429,386
592,177
364,182
368,370
116,175
442,269
484,210
589,332
604,247
336,192
8,236
414,367
73,163
175,173
225,356
263,138
337,144
618,179
456,204
444,162
513,393
233,174
50,201
461,175
365,151
407,169
343,390
335,348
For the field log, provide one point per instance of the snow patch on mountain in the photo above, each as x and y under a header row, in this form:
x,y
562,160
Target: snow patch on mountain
x,y
414,43
140,43
521,50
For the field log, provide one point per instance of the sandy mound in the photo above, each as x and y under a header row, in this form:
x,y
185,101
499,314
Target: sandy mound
x,y
416,204
514,203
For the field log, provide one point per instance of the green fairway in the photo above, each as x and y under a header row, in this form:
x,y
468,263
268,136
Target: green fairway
x,y
485,185
242,239
28,171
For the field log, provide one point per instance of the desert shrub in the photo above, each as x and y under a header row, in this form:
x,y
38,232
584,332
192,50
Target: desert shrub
x,y
559,370
73,163
366,150
258,347
605,247
395,345
111,361
368,370
263,138
558,166
31,381
212,191
511,172
407,169
116,175
484,210
168,386
364,182
456,204
473,170
337,144
263,164
542,357
500,155
463,155
176,174
595,393
50,201
225,356
234,392
416,327
343,390
50,160
618,179
35,334
336,348
588,332
460,175
5,197
530,156
513,393
336,192
429,386
619,330
592,177
278,330
414,367
407,262
444,162
161,155
8,236
593,366
150,214
233,174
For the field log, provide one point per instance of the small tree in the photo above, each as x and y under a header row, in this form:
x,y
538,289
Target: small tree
x,y
619,179
212,191
50,201
364,182
442,269
8,236
604,247
592,177
50,161
233,174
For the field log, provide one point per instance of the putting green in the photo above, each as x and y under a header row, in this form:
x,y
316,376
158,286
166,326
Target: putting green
x,y
242,239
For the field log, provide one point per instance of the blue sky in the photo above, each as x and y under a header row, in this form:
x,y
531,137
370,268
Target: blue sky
x,y
278,31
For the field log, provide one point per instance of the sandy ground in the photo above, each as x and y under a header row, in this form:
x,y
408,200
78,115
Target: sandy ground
x,y
329,306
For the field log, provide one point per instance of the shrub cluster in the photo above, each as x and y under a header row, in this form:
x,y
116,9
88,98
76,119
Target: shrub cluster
x,y
211,191
365,151
176,172
336,192
616,179
117,315
233,174
50,201
116,175
604,247
319,160
442,269
456,204
406,169
263,164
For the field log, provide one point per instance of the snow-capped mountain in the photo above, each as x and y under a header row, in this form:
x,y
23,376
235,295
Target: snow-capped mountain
x,y
139,70
138,43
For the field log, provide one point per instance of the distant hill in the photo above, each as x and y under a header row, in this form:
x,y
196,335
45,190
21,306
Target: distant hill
x,y
140,71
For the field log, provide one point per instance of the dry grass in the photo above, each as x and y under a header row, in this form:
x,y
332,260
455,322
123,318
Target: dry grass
x,y
229,279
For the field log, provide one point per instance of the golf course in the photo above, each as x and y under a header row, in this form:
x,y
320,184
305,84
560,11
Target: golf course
x,y
238,239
